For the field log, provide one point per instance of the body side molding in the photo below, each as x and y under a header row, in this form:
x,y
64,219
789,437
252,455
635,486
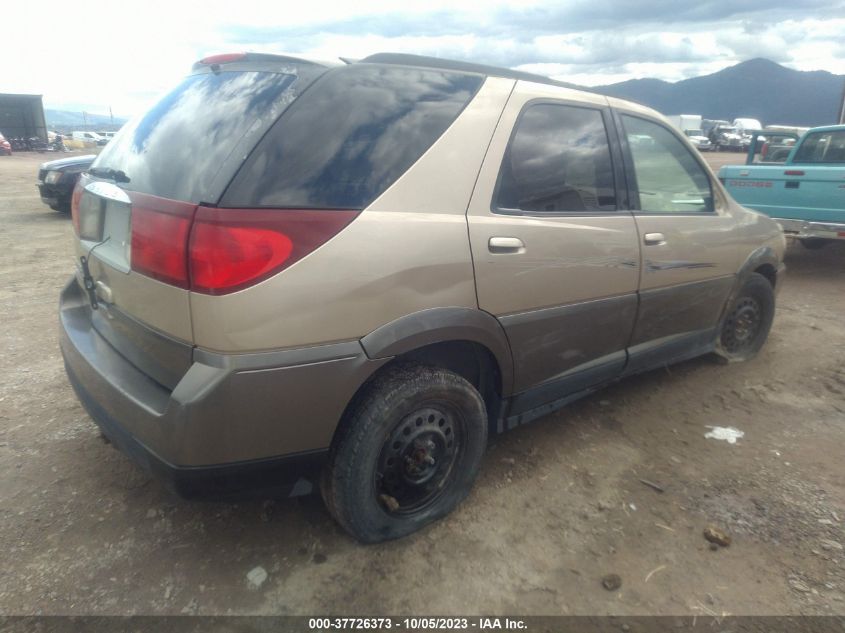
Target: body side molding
x,y
439,325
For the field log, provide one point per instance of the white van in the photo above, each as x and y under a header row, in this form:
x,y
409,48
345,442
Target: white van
x,y
89,137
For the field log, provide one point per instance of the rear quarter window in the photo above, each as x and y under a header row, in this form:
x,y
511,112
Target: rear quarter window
x,y
350,136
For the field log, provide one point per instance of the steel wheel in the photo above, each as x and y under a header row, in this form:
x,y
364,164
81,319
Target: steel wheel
x,y
417,460
742,326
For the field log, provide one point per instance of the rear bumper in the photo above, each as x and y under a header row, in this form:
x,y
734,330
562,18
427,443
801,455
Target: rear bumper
x,y
231,422
801,229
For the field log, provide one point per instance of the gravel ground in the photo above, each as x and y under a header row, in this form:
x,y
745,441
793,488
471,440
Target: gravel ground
x,y
559,504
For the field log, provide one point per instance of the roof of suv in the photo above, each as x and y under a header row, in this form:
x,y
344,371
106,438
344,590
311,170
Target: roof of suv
x,y
419,61
397,59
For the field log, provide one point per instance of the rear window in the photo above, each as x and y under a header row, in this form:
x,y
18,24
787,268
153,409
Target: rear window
x,y
822,147
178,148
350,136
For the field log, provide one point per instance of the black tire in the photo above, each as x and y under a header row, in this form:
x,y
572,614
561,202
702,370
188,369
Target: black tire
x,y
814,243
407,454
747,320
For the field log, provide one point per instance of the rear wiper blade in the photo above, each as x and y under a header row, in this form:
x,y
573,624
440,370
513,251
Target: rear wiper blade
x,y
107,172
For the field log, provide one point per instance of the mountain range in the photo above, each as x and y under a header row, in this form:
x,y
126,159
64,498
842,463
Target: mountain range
x,y
68,118
758,89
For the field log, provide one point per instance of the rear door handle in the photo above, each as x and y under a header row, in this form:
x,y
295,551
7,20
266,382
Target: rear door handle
x,y
654,239
505,245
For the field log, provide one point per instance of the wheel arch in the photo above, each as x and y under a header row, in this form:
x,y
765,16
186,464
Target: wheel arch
x,y
440,330
764,261
469,342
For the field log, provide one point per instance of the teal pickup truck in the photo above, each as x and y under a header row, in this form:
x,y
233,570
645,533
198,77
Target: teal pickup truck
x,y
800,183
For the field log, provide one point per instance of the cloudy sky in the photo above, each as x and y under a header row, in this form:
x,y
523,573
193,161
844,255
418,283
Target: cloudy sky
x,y
93,54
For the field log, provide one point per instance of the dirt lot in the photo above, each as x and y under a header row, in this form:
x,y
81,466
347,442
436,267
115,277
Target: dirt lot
x,y
559,503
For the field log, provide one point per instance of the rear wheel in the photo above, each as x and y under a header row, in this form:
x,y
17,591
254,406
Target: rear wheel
x,y
748,320
407,455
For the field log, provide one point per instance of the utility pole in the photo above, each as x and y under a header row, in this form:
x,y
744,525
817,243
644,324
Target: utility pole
x,y
111,116
842,106
85,119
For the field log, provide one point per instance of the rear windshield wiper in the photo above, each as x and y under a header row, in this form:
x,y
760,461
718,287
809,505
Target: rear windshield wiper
x,y
107,172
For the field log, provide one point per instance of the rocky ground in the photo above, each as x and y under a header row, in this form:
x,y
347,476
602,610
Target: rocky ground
x,y
622,483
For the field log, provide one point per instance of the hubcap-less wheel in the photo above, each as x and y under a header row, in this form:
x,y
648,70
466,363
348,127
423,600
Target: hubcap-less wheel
x,y
416,462
408,452
742,325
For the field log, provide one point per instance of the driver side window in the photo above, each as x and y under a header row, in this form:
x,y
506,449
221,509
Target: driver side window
x,y
668,178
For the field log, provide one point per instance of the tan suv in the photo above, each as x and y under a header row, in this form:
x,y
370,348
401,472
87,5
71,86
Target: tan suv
x,y
291,273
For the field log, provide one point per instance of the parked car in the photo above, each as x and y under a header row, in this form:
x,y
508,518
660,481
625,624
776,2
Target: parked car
x,y
361,300
89,137
698,140
804,192
5,146
57,178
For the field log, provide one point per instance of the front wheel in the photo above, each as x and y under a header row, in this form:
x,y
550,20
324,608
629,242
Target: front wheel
x,y
748,320
407,454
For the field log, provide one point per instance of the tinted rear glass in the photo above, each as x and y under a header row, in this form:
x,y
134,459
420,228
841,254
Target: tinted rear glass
x,y
177,148
350,136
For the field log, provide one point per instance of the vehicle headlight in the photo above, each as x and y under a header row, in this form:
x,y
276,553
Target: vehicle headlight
x,y
53,177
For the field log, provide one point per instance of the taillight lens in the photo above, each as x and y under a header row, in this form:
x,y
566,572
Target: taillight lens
x,y
74,201
231,249
160,230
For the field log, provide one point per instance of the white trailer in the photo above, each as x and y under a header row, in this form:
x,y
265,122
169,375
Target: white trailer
x,y
685,122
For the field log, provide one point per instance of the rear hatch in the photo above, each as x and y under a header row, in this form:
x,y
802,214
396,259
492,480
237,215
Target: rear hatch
x,y
134,210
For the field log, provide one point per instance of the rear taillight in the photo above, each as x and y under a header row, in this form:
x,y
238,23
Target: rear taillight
x,y
218,251
74,201
231,249
160,230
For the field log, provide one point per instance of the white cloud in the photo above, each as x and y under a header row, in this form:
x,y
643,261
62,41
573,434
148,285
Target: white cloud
x,y
96,55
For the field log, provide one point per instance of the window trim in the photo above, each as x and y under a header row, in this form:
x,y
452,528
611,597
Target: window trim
x,y
631,175
616,163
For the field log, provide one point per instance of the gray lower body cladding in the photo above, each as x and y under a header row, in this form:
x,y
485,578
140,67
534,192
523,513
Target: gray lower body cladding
x,y
225,410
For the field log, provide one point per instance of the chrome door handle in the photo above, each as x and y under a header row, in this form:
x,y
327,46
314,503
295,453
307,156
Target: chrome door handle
x,y
654,239
505,245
